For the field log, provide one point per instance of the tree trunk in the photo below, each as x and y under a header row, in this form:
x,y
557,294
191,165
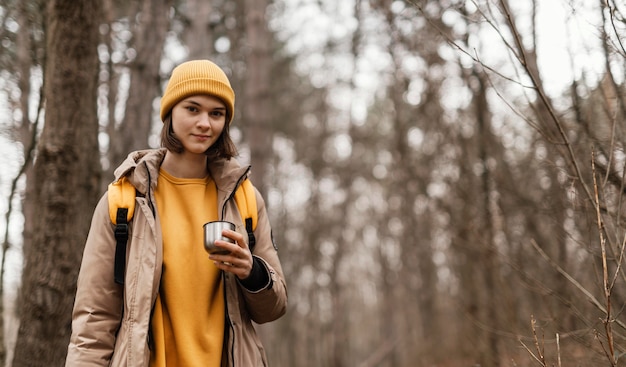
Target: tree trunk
x,y
488,250
198,35
65,183
257,86
22,43
149,36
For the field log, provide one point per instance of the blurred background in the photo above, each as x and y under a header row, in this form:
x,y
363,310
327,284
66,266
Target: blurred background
x,y
445,179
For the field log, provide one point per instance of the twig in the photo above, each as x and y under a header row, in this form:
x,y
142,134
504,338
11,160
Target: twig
x,y
558,349
573,281
454,44
539,357
543,97
606,352
605,270
540,350
531,353
28,157
612,12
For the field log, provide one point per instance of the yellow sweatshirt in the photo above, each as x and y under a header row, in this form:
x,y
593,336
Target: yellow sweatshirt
x,y
188,319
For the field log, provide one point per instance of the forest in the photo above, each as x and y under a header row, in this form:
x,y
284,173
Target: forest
x,y
446,179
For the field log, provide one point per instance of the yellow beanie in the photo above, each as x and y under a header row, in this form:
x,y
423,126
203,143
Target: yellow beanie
x,y
198,77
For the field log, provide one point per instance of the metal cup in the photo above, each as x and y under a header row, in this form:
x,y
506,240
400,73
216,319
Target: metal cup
x,y
213,232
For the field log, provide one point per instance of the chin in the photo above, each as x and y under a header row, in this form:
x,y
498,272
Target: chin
x,y
197,148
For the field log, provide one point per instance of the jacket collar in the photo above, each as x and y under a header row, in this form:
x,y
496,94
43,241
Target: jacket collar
x,y
142,168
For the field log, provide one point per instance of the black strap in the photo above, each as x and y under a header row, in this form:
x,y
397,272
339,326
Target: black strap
x,y
121,237
251,238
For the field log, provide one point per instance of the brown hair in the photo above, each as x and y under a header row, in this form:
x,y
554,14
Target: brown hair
x,y
223,147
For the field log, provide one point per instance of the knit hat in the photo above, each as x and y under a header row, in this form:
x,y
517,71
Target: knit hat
x,y
197,77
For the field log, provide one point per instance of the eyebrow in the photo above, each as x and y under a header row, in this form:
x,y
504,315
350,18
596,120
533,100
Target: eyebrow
x,y
191,101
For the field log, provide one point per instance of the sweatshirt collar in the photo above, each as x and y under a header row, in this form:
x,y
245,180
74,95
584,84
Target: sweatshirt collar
x,y
142,168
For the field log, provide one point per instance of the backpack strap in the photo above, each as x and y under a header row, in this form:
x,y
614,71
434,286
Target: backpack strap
x,y
121,197
245,197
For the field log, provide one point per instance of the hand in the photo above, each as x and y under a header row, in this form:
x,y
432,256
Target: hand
x,y
238,260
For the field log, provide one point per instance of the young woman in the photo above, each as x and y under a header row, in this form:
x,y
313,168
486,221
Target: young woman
x,y
178,305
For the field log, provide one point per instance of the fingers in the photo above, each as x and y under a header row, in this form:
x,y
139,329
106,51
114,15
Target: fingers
x,y
239,267
238,260
235,236
239,249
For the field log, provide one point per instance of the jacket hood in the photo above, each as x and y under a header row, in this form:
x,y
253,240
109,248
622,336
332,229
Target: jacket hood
x,y
142,169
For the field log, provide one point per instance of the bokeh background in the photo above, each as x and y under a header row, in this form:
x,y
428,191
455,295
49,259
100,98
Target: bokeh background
x,y
445,179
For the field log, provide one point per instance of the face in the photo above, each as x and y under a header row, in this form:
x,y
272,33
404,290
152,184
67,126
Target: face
x,y
198,121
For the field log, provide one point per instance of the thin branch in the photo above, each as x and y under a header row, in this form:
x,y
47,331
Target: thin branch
x,y
606,352
540,349
605,269
531,353
558,349
573,281
618,272
539,357
544,99
612,11
519,114
454,44
28,157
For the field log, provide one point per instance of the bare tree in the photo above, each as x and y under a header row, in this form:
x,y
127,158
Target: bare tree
x,y
149,23
549,199
201,19
467,199
258,101
65,183
27,134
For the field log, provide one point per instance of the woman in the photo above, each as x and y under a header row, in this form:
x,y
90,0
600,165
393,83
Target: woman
x,y
180,306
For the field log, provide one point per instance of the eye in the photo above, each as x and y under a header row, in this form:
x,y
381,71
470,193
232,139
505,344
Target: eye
x,y
217,113
192,109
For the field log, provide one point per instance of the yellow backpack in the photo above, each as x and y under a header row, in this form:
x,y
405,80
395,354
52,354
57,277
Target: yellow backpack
x,y
121,197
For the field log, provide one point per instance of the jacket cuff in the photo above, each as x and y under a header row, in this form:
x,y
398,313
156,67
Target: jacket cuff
x,y
259,276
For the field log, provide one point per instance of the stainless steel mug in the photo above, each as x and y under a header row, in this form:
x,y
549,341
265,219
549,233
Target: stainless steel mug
x,y
213,232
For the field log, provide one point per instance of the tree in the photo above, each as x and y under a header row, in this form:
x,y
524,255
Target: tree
x,y
201,19
149,25
548,234
429,197
21,58
257,108
65,183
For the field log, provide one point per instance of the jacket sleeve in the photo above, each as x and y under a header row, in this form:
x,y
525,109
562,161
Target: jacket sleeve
x,y
98,303
270,302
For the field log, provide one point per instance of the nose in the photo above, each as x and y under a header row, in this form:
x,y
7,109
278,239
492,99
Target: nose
x,y
204,120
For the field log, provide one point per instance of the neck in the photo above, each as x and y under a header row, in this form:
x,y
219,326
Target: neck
x,y
185,165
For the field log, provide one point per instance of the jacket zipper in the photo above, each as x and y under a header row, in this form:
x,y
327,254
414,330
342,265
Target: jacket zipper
x,y
232,193
228,320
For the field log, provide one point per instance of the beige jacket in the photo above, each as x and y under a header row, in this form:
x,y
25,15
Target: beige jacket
x,y
111,325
